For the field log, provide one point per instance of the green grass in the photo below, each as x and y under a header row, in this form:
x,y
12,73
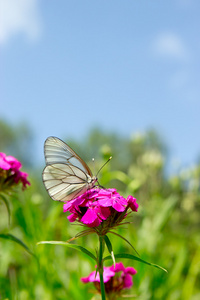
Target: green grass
x,y
165,231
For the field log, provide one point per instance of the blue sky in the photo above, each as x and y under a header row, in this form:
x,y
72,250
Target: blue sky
x,y
124,66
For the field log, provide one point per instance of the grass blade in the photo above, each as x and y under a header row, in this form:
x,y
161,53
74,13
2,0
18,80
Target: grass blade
x,y
4,199
110,249
130,256
124,240
77,247
16,240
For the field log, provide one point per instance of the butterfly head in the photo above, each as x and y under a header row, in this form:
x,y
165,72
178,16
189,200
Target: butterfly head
x,y
91,180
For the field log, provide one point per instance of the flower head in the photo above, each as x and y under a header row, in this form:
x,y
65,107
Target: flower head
x,y
101,209
116,278
10,173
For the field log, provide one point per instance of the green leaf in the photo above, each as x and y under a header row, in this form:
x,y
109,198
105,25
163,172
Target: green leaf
x,y
124,240
84,232
4,199
81,234
109,246
77,247
16,240
108,243
130,256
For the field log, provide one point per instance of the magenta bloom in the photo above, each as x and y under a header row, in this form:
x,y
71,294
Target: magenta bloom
x,y
95,214
10,173
110,198
94,276
101,209
126,274
115,278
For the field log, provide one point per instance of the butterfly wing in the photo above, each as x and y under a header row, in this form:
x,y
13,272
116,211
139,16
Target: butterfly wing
x,y
66,175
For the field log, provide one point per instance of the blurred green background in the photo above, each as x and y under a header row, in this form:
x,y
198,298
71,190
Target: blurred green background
x,y
164,231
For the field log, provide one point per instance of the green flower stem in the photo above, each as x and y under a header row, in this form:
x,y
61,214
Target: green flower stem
x,y
101,248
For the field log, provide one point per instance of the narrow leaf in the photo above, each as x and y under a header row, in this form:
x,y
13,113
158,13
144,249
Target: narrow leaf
x,y
85,232
4,199
81,234
110,249
124,240
130,256
77,247
16,240
108,243
113,258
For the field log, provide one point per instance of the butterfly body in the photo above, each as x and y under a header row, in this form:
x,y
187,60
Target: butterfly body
x,y
66,176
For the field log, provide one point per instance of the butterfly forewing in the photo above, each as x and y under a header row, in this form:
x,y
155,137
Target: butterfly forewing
x,y
56,151
66,175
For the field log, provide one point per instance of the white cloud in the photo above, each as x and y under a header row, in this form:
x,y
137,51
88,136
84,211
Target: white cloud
x,y
170,45
19,17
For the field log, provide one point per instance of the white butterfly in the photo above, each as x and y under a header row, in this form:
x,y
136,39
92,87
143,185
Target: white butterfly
x,y
66,176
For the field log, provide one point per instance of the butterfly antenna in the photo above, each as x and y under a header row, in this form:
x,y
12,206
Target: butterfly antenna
x,y
93,160
104,165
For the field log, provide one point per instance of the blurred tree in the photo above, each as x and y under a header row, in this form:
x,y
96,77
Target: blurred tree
x,y
124,151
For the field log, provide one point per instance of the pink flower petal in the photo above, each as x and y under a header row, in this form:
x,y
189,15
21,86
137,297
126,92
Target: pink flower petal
x,y
94,276
130,270
132,203
72,217
128,281
4,165
89,217
118,267
15,164
21,176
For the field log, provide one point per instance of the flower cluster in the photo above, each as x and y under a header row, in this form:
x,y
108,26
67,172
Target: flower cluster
x,y
10,173
101,209
116,278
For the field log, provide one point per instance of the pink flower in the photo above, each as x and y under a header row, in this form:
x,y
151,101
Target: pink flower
x,y
10,172
94,276
101,209
22,176
132,203
115,278
125,275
